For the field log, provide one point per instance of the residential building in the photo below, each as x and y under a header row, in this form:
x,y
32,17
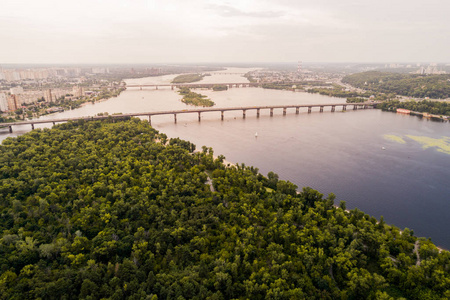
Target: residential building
x,y
16,90
3,102
48,96
13,102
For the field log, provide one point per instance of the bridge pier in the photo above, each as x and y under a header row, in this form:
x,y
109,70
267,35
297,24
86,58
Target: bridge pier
x,y
53,123
32,126
243,113
333,108
10,129
355,107
271,112
221,115
257,112
140,87
171,87
297,109
284,111
156,86
309,109
230,86
199,117
175,118
321,109
149,119
344,107
365,106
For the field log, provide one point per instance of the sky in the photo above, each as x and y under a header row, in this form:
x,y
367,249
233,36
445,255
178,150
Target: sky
x,y
195,31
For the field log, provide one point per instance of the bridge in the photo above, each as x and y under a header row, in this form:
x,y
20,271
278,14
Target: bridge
x,y
224,73
199,111
194,85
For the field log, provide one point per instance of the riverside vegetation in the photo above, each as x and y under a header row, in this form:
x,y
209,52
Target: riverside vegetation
x,y
193,98
411,85
433,107
112,210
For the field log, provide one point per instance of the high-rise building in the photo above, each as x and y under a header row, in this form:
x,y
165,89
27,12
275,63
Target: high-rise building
x,y
3,102
13,102
16,90
48,96
77,91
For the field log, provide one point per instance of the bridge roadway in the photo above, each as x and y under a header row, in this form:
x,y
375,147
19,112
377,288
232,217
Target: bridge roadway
x,y
195,85
199,111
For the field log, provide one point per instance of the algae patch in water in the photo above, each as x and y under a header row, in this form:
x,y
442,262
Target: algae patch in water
x,y
442,144
394,138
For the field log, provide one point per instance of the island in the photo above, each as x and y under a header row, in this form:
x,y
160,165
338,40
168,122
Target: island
x,y
196,99
187,78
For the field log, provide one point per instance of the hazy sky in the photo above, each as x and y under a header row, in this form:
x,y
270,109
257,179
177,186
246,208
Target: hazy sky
x,y
165,31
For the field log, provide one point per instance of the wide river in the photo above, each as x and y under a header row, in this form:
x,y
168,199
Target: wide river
x,y
385,164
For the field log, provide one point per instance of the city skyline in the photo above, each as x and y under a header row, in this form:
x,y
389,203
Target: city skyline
x,y
117,31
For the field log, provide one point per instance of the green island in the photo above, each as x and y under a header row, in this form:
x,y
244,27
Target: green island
x,y
196,99
219,87
187,78
424,106
411,85
277,86
114,210
356,100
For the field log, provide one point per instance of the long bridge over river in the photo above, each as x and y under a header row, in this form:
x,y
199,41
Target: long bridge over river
x,y
194,85
199,111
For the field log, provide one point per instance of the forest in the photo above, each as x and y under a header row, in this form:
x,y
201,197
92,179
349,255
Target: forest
x,y
116,210
186,78
432,107
196,99
411,85
220,87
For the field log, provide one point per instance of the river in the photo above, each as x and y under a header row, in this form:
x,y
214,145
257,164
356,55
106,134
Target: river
x,y
373,160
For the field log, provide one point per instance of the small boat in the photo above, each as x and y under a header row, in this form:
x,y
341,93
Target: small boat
x,y
256,134
382,148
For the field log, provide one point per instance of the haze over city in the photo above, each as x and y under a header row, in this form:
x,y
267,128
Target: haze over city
x,y
118,31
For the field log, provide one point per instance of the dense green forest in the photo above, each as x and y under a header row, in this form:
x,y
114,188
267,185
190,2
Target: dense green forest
x,y
412,85
220,87
112,210
340,92
192,98
186,78
432,107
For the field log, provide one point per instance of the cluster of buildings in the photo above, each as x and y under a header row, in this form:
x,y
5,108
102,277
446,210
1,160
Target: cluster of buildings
x,y
267,76
17,96
11,75
431,69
